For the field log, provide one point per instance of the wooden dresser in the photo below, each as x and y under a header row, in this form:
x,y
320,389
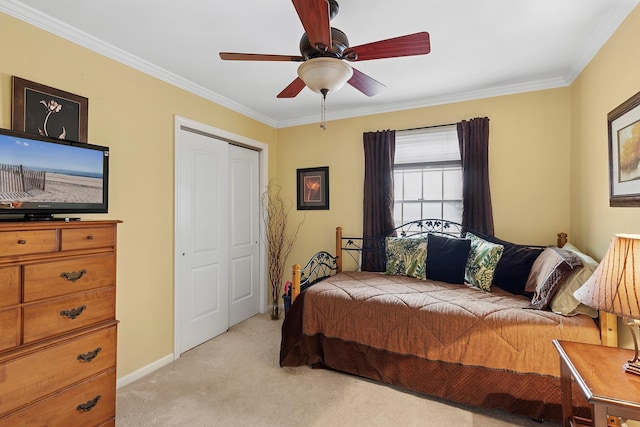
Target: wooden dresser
x,y
57,323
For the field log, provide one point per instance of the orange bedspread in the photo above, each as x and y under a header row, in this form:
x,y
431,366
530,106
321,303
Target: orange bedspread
x,y
441,321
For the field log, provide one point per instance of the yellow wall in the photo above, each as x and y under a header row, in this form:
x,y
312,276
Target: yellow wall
x,y
133,114
528,156
548,157
548,161
610,79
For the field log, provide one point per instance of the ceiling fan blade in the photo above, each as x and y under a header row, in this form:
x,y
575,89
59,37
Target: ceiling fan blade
x,y
365,84
314,15
409,45
293,89
232,56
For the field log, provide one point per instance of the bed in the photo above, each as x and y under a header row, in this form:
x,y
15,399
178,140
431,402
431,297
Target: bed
x,y
453,340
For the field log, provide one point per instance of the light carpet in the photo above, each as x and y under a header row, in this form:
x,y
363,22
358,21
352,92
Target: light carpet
x,y
235,380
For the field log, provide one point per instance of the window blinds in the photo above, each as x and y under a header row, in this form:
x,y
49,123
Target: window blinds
x,y
429,145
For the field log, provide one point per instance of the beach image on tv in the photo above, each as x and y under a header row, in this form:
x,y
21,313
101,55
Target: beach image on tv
x,y
39,172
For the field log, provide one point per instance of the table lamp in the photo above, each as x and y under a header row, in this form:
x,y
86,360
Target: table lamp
x,y
615,287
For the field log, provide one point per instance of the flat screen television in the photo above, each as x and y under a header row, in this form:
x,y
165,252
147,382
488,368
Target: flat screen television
x,y
41,177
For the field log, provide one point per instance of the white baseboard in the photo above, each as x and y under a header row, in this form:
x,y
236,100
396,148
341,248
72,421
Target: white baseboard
x,y
145,370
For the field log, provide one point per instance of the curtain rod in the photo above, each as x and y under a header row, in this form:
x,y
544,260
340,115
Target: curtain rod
x,y
427,127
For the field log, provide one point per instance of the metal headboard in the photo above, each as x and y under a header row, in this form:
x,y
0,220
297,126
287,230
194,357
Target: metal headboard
x,y
323,264
320,266
355,246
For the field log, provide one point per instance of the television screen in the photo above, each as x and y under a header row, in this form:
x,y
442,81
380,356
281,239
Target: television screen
x,y
42,176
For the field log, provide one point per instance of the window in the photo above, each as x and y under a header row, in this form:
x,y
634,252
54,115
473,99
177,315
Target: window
x,y
427,175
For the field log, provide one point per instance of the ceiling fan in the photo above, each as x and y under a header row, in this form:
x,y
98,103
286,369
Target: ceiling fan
x,y
324,49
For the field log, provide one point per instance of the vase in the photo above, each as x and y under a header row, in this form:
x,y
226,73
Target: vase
x,y
274,311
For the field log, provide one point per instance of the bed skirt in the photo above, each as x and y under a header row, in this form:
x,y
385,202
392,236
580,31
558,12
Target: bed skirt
x,y
531,395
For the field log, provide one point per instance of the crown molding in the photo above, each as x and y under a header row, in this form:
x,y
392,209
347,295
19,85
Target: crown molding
x,y
595,42
490,92
599,37
54,26
61,29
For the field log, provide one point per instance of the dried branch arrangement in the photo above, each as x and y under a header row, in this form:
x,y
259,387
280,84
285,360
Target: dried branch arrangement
x,y
279,240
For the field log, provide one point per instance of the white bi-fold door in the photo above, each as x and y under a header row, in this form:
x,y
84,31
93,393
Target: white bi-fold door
x,y
218,245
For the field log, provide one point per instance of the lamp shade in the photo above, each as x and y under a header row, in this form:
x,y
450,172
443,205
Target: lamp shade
x,y
325,73
615,285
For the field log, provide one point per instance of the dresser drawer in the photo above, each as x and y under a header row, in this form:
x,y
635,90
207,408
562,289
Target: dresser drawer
x,y
9,328
90,403
50,279
32,375
53,317
28,242
9,286
88,238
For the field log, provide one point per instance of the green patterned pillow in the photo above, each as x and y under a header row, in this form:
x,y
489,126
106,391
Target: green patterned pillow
x,y
482,262
406,257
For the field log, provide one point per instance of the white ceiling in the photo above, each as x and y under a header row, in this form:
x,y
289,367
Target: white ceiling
x,y
479,48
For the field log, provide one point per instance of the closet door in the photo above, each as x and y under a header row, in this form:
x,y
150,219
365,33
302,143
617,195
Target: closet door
x,y
244,239
203,215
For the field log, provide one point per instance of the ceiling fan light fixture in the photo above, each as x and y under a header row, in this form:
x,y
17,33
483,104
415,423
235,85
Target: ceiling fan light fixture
x,y
325,73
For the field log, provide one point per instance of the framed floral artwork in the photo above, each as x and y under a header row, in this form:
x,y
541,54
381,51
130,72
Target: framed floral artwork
x,y
624,153
313,188
46,111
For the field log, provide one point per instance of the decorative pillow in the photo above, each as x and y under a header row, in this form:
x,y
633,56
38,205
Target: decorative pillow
x,y
406,256
447,258
483,259
514,266
564,302
548,272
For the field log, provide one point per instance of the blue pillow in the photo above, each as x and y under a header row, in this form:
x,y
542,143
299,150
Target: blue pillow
x,y
447,258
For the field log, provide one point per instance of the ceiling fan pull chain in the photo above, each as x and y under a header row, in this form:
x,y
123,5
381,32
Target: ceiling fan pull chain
x,y
323,124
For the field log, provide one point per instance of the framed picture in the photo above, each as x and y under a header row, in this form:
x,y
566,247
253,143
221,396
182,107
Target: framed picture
x,y
313,188
43,110
624,153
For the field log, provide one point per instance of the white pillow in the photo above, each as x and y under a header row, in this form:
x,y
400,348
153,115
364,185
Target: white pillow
x,y
564,302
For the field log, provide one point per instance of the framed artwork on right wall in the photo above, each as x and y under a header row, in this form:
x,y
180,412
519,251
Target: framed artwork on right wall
x,y
624,153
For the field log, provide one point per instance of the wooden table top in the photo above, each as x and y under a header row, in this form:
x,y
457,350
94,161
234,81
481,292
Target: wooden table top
x,y
599,373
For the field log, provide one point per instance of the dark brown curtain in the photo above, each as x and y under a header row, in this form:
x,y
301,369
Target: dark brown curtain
x,y
477,213
379,152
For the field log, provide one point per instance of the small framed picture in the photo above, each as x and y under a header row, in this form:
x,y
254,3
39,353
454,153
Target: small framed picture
x,y
624,153
313,188
46,111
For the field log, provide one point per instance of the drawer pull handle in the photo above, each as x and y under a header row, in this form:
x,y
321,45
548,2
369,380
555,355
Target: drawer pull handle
x,y
90,237
74,312
22,242
74,275
89,356
86,407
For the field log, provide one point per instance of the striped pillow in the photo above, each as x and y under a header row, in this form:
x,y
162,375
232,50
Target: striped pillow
x,y
548,272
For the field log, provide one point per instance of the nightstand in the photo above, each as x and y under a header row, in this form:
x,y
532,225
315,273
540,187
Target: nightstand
x,y
598,372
